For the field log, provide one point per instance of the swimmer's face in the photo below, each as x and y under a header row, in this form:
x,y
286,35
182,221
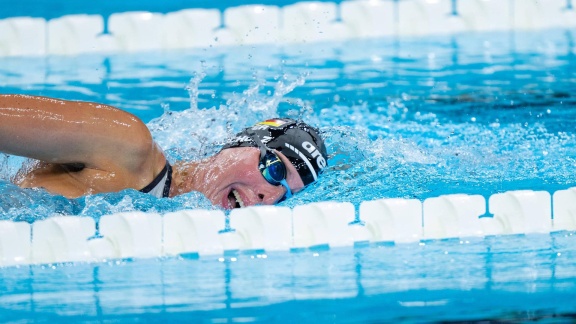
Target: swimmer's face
x,y
235,181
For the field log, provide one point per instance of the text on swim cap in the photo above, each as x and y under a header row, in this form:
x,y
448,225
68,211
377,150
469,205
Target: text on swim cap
x,y
315,154
266,139
240,139
305,159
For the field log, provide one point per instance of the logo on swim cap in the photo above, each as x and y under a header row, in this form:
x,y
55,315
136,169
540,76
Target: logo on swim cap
x,y
269,123
273,122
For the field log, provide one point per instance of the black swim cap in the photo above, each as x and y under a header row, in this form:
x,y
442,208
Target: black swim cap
x,y
298,141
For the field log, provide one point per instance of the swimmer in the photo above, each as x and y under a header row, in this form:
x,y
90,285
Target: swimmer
x,y
83,148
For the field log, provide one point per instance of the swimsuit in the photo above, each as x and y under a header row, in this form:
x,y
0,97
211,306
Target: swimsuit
x,y
160,186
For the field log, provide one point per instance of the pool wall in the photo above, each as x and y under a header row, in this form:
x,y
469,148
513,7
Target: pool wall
x,y
36,27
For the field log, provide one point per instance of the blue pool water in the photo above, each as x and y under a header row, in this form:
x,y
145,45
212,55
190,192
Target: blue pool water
x,y
415,118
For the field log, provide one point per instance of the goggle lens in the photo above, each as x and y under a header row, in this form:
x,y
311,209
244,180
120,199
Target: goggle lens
x,y
274,171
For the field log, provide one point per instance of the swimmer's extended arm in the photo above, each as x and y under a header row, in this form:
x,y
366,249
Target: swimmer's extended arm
x,y
59,131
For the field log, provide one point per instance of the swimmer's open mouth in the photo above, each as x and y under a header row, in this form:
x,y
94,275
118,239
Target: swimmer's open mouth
x,y
235,200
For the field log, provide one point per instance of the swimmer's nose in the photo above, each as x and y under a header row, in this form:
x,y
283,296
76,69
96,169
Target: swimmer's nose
x,y
267,199
273,196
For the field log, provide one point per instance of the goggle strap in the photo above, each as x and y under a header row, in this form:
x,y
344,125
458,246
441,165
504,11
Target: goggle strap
x,y
288,191
263,148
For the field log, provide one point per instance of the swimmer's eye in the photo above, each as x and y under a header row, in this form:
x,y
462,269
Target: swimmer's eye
x,y
274,171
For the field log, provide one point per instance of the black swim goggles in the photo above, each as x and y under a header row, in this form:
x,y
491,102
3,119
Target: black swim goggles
x,y
272,168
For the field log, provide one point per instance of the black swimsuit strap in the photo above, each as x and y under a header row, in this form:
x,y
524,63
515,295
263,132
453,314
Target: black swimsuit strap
x,y
166,192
